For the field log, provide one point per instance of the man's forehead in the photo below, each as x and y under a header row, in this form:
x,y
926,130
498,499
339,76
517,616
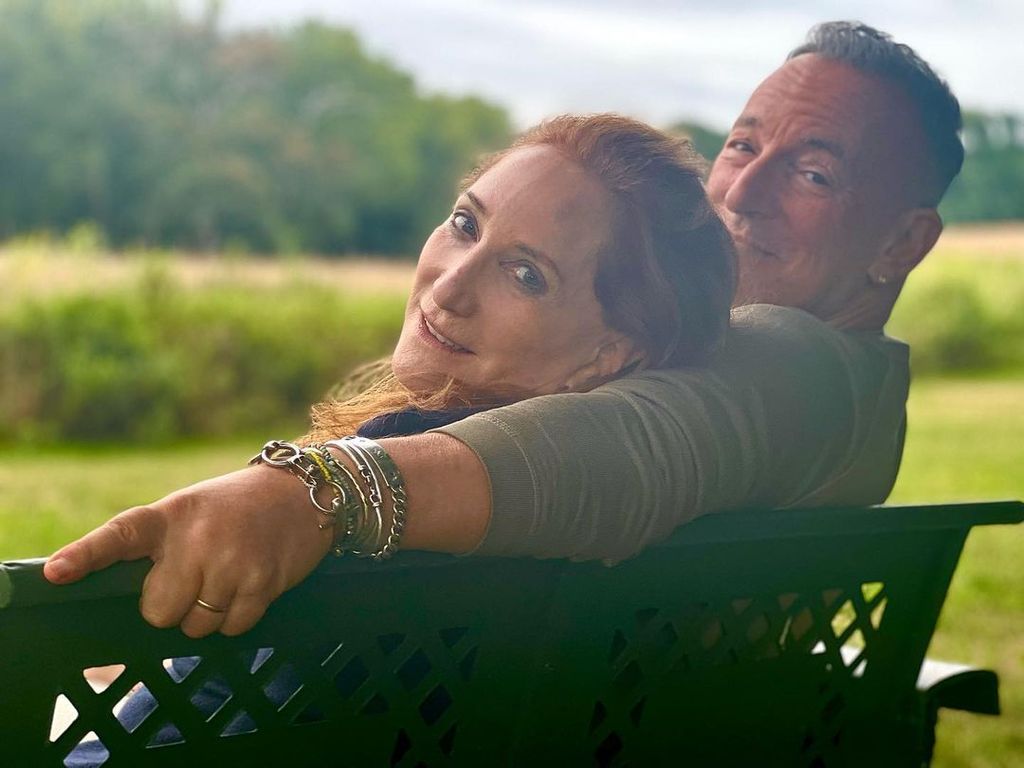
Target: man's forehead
x,y
829,105
864,120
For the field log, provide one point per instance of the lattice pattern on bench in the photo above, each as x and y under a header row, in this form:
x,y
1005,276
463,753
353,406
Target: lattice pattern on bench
x,y
415,680
744,630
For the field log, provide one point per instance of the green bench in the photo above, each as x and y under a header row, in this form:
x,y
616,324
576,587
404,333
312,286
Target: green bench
x,y
789,637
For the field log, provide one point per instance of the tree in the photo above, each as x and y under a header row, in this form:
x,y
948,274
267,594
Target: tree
x,y
991,184
165,130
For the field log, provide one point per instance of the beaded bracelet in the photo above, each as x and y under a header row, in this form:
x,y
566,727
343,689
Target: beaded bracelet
x,y
285,455
361,515
354,511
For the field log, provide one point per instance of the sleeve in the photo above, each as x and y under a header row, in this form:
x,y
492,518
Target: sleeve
x,y
788,409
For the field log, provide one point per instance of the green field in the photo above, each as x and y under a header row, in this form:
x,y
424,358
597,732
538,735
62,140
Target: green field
x,y
964,442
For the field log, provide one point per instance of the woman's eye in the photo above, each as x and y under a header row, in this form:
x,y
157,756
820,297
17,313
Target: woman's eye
x,y
530,278
464,223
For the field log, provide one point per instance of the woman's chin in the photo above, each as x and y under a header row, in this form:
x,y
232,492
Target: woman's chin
x,y
419,381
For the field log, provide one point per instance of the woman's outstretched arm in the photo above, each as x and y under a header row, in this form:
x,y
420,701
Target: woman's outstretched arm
x,y
240,540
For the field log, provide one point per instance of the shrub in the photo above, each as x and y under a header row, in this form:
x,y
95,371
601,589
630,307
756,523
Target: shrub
x,y
158,363
960,313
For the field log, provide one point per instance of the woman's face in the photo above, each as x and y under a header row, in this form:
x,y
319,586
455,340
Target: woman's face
x,y
503,300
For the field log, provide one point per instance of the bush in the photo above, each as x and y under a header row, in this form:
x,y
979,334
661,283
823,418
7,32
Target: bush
x,y
159,363
960,313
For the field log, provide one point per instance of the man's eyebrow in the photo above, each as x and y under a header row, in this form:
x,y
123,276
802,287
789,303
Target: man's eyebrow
x,y
813,142
833,148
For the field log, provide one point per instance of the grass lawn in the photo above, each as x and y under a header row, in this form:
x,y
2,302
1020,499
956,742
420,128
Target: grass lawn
x,y
964,442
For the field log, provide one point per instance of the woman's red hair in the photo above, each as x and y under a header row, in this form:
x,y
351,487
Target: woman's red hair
x,y
666,280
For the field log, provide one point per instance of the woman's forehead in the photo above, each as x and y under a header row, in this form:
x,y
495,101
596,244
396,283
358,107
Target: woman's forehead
x,y
539,194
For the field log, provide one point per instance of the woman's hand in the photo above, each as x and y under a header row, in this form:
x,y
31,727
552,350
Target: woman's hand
x,y
238,541
235,542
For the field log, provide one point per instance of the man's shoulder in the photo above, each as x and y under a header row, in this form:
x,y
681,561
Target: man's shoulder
x,y
762,332
766,342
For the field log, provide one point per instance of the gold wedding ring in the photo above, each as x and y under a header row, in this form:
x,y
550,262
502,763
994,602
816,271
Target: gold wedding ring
x,y
203,604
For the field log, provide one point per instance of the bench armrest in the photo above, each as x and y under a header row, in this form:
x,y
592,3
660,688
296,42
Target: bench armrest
x,y
943,684
958,686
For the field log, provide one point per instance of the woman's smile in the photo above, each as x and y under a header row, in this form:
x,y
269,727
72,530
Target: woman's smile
x,y
435,338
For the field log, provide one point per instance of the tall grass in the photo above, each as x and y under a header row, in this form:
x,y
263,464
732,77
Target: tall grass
x,y
152,361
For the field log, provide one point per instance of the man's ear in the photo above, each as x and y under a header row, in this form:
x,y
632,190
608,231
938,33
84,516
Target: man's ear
x,y
612,358
913,237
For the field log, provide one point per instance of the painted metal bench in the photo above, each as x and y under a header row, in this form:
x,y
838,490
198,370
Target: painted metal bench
x,y
787,637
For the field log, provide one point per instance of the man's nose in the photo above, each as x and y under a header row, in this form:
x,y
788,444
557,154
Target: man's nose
x,y
456,289
754,189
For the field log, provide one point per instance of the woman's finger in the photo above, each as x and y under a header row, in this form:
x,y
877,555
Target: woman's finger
x,y
208,608
243,614
169,591
133,534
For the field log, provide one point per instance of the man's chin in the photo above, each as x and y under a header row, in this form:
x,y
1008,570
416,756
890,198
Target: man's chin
x,y
753,293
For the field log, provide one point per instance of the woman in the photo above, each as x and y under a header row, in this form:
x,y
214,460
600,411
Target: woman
x,y
585,250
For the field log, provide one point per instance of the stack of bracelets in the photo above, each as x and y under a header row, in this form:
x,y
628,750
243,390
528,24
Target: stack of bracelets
x,y
356,509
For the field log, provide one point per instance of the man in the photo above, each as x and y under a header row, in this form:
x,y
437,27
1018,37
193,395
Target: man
x,y
829,182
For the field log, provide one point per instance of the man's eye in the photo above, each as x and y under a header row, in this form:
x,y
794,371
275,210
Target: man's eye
x,y
464,223
816,178
739,145
530,278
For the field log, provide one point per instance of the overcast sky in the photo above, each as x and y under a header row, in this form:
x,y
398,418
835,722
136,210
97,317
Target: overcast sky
x,y
658,60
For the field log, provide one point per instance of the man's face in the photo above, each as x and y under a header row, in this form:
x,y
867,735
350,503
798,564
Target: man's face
x,y
811,181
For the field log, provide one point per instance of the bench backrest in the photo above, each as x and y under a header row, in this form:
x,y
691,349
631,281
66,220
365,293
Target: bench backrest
x,y
725,639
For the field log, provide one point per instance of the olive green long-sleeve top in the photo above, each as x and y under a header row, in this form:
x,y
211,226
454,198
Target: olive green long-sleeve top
x,y
790,412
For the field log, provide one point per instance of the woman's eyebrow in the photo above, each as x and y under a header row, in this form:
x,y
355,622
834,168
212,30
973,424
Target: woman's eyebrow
x,y
527,250
536,255
476,201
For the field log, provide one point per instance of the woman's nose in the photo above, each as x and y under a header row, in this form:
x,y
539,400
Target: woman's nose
x,y
754,190
456,289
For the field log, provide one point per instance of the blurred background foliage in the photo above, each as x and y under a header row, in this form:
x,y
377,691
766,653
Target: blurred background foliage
x,y
160,129
151,361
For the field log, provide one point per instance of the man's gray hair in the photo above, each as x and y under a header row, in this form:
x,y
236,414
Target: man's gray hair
x,y
868,50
